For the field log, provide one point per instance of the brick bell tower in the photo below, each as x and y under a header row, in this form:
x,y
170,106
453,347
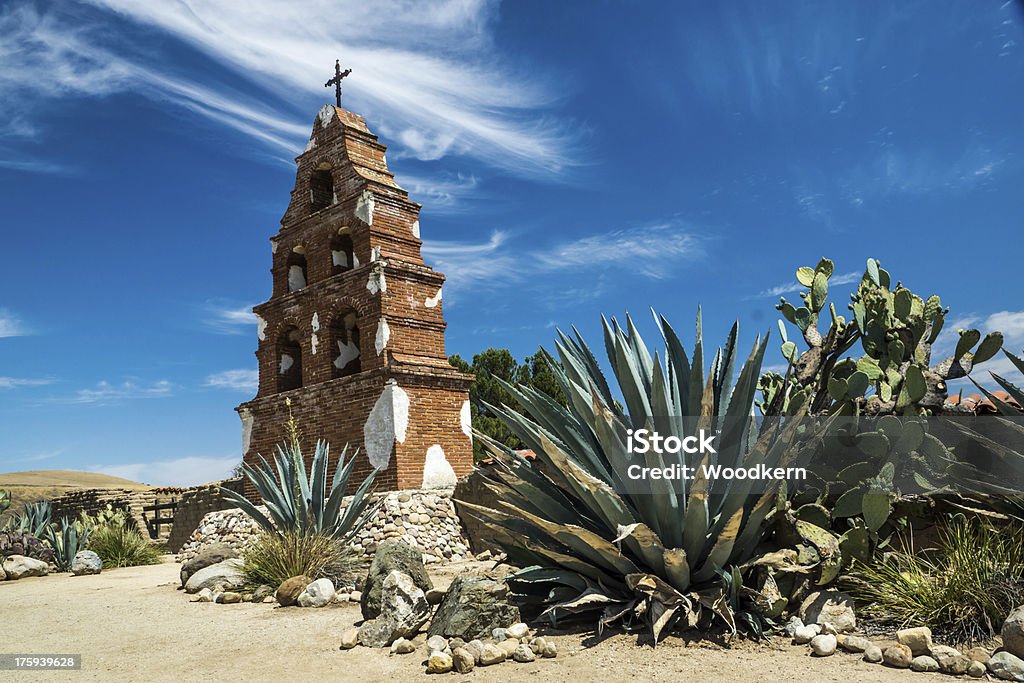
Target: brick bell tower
x,y
353,332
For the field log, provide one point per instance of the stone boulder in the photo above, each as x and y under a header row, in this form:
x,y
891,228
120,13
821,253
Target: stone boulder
x,y
823,645
918,639
439,663
834,607
853,643
898,656
924,664
3,574
403,611
317,594
86,562
219,577
873,654
950,660
1013,632
472,608
1006,666
392,555
19,567
289,591
211,554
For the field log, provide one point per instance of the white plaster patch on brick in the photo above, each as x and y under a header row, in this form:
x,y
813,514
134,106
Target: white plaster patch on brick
x,y
387,423
296,279
466,417
416,229
364,207
375,254
376,283
347,353
433,301
315,322
326,114
355,260
314,341
339,258
311,144
401,402
286,363
437,471
261,327
247,420
383,335
273,246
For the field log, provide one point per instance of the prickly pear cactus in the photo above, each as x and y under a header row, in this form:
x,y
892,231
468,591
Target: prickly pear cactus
x,y
895,329
866,368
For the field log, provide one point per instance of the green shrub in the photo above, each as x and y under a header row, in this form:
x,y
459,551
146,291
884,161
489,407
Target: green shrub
x,y
963,589
120,545
272,558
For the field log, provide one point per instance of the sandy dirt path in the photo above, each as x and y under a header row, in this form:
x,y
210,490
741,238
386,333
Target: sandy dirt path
x,y
133,625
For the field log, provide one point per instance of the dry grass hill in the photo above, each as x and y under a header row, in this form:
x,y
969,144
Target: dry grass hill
x,y
28,487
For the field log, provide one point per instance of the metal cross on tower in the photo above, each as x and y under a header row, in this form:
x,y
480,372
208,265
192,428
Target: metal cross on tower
x,y
336,81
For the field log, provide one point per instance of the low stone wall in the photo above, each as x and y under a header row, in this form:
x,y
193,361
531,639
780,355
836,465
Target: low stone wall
x,y
91,501
425,519
195,504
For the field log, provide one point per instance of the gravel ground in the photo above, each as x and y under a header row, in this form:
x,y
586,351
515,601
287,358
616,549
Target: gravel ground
x,y
134,625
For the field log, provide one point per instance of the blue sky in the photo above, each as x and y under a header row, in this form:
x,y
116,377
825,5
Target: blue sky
x,y
571,158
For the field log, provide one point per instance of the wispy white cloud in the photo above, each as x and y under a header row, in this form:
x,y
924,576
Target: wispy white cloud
x,y
1010,323
188,471
442,194
794,286
105,392
901,171
11,325
35,166
39,456
228,319
18,382
885,171
236,380
428,77
653,251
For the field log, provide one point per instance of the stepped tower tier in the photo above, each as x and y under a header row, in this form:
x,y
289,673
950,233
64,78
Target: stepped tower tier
x,y
353,332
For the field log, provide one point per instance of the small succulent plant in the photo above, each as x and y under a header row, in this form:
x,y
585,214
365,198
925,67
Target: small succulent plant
x,y
21,543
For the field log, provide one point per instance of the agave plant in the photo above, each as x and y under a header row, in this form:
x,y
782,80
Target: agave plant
x,y
588,544
5,500
301,503
66,541
33,519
